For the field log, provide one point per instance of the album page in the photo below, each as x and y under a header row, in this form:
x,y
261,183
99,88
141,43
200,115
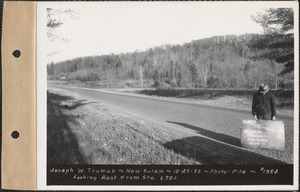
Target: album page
x,y
151,96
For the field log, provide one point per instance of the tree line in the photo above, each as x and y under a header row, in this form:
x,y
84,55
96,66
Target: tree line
x,y
216,62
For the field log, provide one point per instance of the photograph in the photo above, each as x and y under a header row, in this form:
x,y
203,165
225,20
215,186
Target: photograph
x,y
167,93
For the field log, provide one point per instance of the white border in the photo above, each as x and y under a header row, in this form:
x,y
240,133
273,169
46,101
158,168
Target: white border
x,y
42,110
41,95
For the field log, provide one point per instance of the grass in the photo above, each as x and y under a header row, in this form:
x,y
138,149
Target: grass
x,y
84,132
104,83
89,133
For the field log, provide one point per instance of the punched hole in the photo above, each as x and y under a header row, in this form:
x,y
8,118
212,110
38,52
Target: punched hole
x,y
16,53
15,134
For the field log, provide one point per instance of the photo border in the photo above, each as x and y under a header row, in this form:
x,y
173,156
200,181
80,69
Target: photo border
x,y
42,111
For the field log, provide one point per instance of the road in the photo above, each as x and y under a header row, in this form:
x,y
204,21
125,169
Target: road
x,y
220,124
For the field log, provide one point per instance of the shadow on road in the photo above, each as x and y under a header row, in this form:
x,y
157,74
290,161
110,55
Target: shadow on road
x,y
62,144
217,136
207,151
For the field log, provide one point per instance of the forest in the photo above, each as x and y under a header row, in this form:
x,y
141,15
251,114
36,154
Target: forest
x,y
231,62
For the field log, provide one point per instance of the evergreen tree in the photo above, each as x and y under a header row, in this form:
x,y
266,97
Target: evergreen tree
x,y
278,42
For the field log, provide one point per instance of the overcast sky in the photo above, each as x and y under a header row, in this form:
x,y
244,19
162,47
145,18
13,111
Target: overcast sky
x,y
104,28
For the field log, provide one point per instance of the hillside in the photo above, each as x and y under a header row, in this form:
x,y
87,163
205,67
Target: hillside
x,y
216,62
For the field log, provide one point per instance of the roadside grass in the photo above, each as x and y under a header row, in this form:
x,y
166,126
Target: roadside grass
x,y
82,132
85,132
104,83
284,98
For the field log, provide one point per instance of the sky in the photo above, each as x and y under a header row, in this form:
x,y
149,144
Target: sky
x,y
104,28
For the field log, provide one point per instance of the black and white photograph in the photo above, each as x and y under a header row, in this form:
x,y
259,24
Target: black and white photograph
x,y
168,93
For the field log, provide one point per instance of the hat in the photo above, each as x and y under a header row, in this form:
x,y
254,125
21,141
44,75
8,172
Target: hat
x,y
263,88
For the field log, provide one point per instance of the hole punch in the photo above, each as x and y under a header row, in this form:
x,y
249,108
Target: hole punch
x,y
15,134
16,53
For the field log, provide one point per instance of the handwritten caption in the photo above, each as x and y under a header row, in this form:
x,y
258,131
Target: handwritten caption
x,y
92,174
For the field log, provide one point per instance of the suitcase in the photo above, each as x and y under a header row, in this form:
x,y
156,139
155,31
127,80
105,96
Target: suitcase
x,y
263,134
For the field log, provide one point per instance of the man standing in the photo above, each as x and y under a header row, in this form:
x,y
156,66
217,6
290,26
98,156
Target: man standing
x,y
263,104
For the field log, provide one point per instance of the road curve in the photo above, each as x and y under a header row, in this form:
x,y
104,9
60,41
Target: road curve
x,y
218,123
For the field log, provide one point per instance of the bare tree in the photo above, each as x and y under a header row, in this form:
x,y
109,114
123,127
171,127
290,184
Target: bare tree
x,y
141,73
53,21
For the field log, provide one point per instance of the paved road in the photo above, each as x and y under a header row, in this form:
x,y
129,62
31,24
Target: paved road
x,y
220,124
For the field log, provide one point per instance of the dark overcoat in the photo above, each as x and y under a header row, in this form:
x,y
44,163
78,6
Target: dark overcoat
x,y
263,104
